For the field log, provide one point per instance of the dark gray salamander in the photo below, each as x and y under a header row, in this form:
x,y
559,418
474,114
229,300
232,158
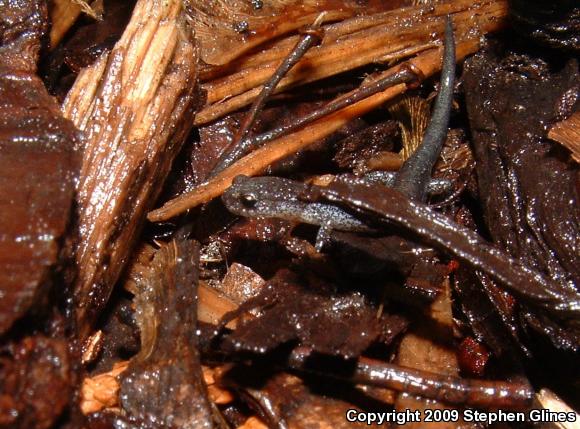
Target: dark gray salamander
x,y
278,197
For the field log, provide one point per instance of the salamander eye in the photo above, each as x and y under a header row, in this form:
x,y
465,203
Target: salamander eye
x,y
249,199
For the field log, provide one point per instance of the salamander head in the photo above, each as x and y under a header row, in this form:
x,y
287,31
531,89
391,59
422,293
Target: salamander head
x,y
259,196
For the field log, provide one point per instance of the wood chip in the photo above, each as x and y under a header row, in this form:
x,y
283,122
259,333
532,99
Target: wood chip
x,y
212,306
134,105
431,350
253,423
102,391
567,133
64,14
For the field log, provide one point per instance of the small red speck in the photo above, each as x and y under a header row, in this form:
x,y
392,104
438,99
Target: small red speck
x,y
472,357
509,300
452,266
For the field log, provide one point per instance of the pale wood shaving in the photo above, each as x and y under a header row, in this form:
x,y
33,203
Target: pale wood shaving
x,y
102,391
253,423
64,14
212,306
567,133
431,350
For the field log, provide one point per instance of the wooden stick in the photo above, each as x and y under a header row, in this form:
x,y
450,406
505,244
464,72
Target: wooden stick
x,y
445,388
310,37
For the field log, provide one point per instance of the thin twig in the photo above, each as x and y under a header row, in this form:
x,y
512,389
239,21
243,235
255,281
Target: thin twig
x,y
445,388
402,76
311,36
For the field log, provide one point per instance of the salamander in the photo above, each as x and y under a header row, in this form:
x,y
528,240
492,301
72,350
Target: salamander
x,y
278,197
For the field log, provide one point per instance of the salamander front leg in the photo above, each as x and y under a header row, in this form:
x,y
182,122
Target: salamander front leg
x,y
323,237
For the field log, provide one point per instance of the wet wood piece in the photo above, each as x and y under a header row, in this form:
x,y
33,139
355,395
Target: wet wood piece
x,y
489,322
238,285
101,392
286,401
531,192
214,300
132,105
427,64
429,347
229,30
163,384
38,167
30,370
487,309
23,24
212,306
335,324
548,400
554,24
567,133
253,423
531,206
389,207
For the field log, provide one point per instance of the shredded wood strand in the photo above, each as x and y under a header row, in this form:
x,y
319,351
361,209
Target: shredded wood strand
x,y
393,38
412,113
219,24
